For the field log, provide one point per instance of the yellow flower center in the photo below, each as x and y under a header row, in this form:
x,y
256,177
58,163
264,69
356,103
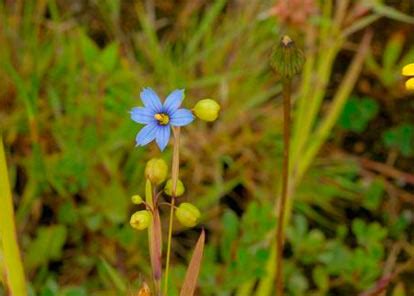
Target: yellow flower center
x,y
162,118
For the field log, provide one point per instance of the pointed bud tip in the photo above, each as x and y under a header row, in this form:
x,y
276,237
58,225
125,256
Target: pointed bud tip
x,y
286,41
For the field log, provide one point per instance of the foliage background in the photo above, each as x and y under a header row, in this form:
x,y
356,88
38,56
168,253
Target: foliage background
x,y
71,70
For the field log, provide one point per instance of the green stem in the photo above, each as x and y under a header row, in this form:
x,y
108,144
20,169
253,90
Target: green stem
x,y
14,267
285,183
174,177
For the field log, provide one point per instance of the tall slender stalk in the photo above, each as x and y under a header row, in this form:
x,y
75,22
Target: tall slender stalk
x,y
14,267
287,61
285,183
174,177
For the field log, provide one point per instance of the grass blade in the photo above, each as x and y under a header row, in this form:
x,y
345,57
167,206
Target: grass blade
x,y
154,239
205,25
12,259
113,275
392,13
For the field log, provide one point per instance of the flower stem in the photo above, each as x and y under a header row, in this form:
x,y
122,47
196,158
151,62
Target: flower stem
x,y
14,267
174,177
285,184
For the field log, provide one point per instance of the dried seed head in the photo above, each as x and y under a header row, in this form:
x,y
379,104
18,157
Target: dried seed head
x,y
287,60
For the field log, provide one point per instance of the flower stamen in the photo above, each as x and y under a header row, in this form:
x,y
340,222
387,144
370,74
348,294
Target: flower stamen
x,y
162,118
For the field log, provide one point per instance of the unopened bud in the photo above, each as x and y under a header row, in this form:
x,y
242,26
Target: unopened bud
x,y
207,109
140,220
287,60
137,199
187,214
179,190
156,170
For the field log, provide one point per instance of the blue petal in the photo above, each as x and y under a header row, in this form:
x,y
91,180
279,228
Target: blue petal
x,y
147,134
173,101
151,100
163,136
181,117
142,115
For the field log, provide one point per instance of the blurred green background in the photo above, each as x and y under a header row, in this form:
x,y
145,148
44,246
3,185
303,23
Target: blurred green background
x,y
71,70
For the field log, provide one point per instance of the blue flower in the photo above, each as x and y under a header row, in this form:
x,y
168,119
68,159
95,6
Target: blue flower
x,y
158,118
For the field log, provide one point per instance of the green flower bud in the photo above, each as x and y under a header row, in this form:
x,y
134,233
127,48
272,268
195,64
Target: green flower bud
x,y
207,110
287,60
140,220
179,190
137,199
156,170
187,214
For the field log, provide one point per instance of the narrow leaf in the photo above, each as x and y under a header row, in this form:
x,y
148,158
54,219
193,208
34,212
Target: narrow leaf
x,y
205,25
156,245
113,275
392,13
190,281
154,237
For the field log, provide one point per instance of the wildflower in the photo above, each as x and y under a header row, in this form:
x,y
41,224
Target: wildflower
x,y
179,190
408,70
158,118
187,214
156,170
207,110
409,84
140,220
